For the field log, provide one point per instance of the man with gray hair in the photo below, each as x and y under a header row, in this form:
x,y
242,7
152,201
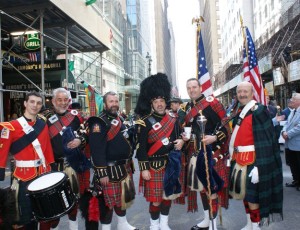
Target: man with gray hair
x,y
291,135
62,122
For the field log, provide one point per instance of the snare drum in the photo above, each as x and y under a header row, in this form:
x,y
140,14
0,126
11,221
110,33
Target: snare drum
x,y
51,196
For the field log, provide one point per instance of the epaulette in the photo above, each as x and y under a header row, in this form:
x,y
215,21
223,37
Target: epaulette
x,y
140,122
48,114
7,125
42,117
183,106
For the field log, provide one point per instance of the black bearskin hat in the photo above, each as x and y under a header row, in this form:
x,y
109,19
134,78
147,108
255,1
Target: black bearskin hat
x,y
153,87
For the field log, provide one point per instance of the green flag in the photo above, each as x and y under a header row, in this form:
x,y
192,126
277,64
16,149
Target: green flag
x,y
89,2
71,65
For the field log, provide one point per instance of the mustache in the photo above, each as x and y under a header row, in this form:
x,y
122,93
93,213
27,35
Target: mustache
x,y
243,97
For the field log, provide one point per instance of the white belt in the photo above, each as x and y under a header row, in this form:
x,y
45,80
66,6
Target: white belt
x,y
32,163
248,148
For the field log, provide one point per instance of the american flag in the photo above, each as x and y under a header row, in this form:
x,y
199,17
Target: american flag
x,y
251,71
34,56
203,74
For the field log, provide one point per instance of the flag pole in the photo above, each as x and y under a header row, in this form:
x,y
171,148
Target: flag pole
x,y
197,21
244,36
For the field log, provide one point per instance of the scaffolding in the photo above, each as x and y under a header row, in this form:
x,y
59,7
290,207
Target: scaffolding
x,y
57,29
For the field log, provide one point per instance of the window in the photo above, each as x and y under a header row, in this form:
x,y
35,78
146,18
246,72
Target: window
x,y
266,11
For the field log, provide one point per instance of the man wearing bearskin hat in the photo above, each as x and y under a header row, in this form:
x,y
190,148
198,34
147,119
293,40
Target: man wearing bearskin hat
x,y
214,171
256,176
112,160
158,149
68,140
27,139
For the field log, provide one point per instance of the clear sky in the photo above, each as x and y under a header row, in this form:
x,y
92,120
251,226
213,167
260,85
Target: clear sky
x,y
181,14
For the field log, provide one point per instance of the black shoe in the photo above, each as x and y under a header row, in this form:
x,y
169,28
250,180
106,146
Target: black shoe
x,y
199,228
292,184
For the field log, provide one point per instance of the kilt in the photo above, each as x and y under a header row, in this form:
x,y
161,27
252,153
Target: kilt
x,y
221,168
84,181
224,172
154,188
112,192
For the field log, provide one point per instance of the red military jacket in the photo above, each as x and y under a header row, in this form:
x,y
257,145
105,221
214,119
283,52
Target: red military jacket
x,y
11,132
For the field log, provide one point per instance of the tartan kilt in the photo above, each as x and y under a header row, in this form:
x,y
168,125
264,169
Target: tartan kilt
x,y
84,181
154,188
112,192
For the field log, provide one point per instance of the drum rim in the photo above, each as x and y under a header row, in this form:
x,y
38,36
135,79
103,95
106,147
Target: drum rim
x,y
64,178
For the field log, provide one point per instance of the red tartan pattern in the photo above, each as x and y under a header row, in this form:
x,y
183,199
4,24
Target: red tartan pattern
x,y
167,124
201,105
56,127
84,181
155,136
221,168
153,189
114,130
92,101
112,192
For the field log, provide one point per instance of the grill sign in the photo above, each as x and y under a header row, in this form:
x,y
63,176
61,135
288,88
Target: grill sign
x,y
32,42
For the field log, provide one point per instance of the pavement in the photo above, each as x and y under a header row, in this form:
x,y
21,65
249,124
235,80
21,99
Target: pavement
x,y
233,218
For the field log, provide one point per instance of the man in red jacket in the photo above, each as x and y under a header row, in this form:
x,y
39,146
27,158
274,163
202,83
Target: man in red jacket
x,y
27,139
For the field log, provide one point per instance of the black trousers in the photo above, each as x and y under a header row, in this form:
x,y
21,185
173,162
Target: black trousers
x,y
293,160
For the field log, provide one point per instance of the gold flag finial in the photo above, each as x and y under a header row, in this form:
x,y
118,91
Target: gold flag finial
x,y
198,20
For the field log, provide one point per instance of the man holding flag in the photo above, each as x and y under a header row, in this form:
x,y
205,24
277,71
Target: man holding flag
x,y
256,175
212,173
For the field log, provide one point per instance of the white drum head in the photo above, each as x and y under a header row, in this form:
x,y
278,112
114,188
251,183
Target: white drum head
x,y
45,181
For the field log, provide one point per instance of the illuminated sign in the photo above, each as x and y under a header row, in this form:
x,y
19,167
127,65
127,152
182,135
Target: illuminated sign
x,y
32,42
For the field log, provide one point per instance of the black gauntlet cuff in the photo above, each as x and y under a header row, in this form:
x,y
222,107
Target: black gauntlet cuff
x,y
220,136
101,172
144,165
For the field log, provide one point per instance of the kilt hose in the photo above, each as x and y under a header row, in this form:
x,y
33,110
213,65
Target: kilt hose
x,y
153,189
112,192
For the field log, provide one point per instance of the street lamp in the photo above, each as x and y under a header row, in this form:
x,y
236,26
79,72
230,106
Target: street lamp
x,y
149,63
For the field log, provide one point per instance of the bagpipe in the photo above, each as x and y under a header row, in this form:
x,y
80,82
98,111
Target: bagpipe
x,y
92,205
75,157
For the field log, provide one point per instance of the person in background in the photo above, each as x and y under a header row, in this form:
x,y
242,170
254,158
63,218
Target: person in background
x,y
271,108
158,149
30,160
175,104
256,174
291,135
